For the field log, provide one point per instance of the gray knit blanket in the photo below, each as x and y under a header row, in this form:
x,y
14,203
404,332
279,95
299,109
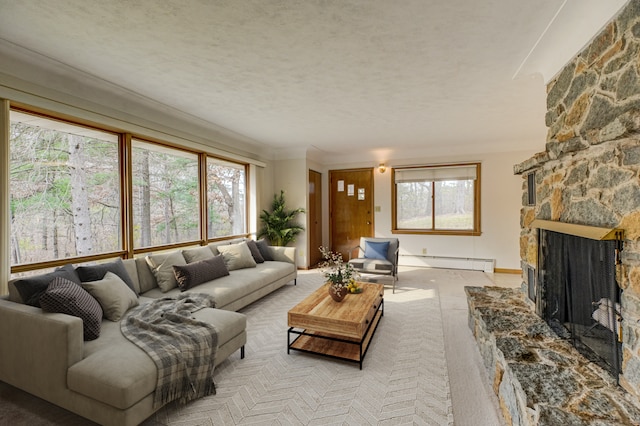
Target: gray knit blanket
x,y
182,347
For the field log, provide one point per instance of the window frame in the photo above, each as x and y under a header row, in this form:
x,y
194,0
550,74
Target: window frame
x,y
127,249
476,231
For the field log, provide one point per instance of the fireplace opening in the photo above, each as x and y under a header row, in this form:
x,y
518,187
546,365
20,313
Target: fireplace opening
x,y
578,296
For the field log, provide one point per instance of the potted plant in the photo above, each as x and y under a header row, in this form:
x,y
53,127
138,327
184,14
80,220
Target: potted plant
x,y
278,225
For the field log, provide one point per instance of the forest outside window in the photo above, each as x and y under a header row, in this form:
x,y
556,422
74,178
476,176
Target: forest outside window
x,y
64,190
226,198
165,195
81,193
443,199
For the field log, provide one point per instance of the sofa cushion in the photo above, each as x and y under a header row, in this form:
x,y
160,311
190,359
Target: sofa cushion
x,y
117,372
237,256
66,297
197,254
31,288
265,250
193,274
255,251
113,294
162,267
97,272
113,370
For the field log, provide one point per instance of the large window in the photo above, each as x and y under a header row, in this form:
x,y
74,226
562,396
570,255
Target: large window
x,y
443,199
165,195
81,193
64,190
226,203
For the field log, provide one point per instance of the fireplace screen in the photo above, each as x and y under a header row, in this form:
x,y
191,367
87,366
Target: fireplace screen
x,y
578,295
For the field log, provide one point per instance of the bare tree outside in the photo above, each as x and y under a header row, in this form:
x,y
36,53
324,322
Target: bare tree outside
x,y
166,195
226,198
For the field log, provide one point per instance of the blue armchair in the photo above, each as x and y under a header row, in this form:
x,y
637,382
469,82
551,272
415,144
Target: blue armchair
x,y
376,256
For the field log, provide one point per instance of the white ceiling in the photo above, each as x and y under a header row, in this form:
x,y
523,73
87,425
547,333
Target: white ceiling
x,y
359,78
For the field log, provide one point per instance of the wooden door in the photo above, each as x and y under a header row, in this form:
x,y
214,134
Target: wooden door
x,y
351,208
315,218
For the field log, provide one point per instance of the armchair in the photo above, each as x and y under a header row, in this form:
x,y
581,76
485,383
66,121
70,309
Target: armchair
x,y
376,256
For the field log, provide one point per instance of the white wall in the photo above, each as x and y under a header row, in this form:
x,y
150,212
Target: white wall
x,y
291,175
501,200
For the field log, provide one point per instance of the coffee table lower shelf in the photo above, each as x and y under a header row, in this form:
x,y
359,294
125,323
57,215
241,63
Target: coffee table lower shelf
x,y
331,345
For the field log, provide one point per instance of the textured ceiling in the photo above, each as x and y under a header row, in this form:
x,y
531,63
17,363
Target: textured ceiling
x,y
352,77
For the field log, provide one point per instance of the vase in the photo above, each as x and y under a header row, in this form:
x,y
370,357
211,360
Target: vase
x,y
337,293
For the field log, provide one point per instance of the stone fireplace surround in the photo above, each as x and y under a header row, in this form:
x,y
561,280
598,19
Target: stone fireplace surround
x,y
589,173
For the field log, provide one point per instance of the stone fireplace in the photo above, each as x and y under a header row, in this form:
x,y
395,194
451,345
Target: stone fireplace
x,y
589,173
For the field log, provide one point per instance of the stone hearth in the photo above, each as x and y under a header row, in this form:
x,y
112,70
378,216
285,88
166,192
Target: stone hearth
x,y
539,378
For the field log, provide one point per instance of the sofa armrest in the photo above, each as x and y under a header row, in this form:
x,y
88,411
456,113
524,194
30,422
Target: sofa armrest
x,y
284,254
37,348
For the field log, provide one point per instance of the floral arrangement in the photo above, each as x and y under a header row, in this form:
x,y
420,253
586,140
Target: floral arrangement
x,y
340,273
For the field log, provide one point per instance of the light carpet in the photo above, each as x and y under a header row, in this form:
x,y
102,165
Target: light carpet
x,y
403,380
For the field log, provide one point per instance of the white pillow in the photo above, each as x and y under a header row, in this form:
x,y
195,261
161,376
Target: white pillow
x,y
113,294
237,256
162,267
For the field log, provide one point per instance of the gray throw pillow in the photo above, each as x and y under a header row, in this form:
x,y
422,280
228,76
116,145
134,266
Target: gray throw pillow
x,y
197,254
66,297
31,288
113,294
265,250
98,271
193,274
162,268
255,251
237,256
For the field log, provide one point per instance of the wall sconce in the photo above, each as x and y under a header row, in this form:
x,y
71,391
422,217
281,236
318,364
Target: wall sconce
x,y
382,168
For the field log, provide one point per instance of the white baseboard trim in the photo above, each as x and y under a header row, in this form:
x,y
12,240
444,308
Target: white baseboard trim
x,y
485,265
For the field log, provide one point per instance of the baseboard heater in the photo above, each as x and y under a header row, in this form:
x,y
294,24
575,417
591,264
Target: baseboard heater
x,y
486,265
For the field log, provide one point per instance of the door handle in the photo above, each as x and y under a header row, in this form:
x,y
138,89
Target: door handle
x,y
368,222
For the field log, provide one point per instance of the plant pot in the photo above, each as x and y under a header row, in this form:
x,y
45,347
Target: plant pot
x,y
337,293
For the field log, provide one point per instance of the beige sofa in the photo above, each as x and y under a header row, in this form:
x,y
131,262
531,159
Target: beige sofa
x,y
110,380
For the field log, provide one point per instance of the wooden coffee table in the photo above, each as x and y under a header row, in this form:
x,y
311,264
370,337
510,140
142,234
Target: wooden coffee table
x,y
340,330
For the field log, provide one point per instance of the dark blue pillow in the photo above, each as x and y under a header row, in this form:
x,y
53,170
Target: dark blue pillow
x,y
376,249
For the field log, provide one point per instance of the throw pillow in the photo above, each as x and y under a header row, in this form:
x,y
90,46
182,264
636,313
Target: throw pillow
x,y
66,297
162,267
113,294
197,254
255,251
196,273
265,250
237,256
98,271
31,288
376,249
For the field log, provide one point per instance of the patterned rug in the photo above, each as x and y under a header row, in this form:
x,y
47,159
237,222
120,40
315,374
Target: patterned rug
x,y
403,380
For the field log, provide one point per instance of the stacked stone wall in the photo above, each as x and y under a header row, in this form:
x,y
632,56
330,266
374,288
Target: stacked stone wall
x,y
589,173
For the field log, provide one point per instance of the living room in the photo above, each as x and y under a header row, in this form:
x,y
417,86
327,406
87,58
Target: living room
x,y
32,76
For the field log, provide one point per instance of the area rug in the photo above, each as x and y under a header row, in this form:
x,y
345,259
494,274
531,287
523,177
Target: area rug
x,y
403,379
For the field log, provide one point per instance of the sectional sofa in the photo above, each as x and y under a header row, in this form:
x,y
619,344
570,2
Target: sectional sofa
x,y
106,378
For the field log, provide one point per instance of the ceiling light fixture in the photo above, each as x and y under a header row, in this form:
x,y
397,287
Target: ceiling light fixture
x,y
382,168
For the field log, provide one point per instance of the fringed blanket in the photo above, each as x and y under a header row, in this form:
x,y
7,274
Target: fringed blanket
x,y
182,347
